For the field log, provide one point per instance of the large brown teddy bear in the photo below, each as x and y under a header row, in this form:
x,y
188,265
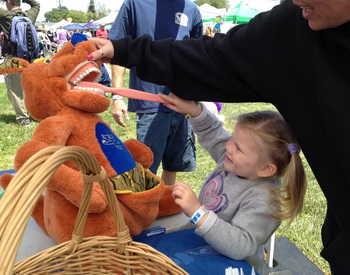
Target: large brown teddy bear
x,y
69,117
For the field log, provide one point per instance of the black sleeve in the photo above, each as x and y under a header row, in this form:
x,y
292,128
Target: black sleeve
x,y
226,68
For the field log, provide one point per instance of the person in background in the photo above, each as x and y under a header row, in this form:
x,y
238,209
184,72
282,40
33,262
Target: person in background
x,y
62,36
105,77
296,57
209,31
102,32
51,36
217,24
259,181
13,81
44,41
53,46
87,33
167,133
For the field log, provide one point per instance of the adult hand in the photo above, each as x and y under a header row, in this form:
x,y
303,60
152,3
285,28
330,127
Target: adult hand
x,y
105,50
185,197
118,111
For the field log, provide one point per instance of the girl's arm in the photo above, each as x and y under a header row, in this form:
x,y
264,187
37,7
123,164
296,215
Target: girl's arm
x,y
183,106
208,127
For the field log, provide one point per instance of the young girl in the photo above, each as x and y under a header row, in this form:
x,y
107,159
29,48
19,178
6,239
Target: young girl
x,y
259,181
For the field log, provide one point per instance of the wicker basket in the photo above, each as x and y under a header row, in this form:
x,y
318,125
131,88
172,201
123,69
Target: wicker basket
x,y
93,255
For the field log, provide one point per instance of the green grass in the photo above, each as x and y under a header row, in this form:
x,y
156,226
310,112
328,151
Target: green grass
x,y
304,231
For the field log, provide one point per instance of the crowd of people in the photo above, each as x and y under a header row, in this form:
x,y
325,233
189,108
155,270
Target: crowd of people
x,y
52,41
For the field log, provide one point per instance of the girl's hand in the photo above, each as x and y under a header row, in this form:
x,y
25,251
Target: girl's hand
x,y
185,198
181,105
105,50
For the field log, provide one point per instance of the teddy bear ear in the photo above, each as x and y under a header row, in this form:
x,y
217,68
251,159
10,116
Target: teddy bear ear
x,y
78,37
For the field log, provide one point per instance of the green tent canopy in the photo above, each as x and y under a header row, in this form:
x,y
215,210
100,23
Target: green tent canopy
x,y
239,14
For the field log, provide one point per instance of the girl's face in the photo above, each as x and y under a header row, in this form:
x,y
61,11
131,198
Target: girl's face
x,y
324,14
244,154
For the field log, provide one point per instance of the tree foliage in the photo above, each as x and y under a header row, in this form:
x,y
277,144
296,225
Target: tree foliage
x,y
62,12
219,4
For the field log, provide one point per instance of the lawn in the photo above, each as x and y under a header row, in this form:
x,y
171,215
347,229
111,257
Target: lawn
x,y
304,232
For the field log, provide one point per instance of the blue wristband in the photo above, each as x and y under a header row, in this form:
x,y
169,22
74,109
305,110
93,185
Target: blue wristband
x,y
198,214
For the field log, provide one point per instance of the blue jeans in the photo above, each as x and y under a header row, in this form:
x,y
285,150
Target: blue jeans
x,y
171,139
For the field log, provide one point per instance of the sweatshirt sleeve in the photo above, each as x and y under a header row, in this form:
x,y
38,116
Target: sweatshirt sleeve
x,y
210,133
226,68
34,10
250,228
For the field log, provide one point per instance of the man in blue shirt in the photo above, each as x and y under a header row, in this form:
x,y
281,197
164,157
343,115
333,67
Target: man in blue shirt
x,y
167,133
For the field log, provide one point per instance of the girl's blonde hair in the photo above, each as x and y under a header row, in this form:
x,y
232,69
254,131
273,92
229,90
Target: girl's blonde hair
x,y
277,140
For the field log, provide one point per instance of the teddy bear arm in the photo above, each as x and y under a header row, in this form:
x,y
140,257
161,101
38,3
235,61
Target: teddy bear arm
x,y
140,152
68,182
26,151
53,130
40,140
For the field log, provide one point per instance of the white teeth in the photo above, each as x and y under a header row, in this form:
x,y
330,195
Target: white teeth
x,y
87,72
89,89
82,76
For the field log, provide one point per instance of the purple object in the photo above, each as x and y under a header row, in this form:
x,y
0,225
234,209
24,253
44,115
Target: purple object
x,y
218,105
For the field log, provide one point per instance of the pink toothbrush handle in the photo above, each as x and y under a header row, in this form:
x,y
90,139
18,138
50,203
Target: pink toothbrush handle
x,y
131,93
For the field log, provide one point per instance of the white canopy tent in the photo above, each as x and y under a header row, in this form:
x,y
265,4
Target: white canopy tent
x,y
207,11
109,19
62,23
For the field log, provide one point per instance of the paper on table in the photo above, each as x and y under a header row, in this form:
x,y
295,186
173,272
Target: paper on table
x,y
235,271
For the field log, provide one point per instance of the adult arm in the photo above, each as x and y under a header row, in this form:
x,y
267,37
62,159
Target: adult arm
x,y
120,29
34,10
215,69
119,108
5,21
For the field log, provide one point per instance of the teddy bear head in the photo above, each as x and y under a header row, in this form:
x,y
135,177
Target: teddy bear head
x,y
55,88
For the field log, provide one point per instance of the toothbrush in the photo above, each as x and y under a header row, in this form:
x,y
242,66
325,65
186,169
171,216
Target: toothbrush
x,y
130,93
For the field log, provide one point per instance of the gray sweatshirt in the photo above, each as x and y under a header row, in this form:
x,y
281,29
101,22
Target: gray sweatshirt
x,y
239,220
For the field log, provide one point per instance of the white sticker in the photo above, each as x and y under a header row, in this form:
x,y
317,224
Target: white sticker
x,y
181,19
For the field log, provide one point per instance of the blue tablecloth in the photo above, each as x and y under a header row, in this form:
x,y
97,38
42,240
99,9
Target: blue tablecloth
x,y
192,253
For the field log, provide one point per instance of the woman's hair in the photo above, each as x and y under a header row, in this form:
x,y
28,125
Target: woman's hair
x,y
281,148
